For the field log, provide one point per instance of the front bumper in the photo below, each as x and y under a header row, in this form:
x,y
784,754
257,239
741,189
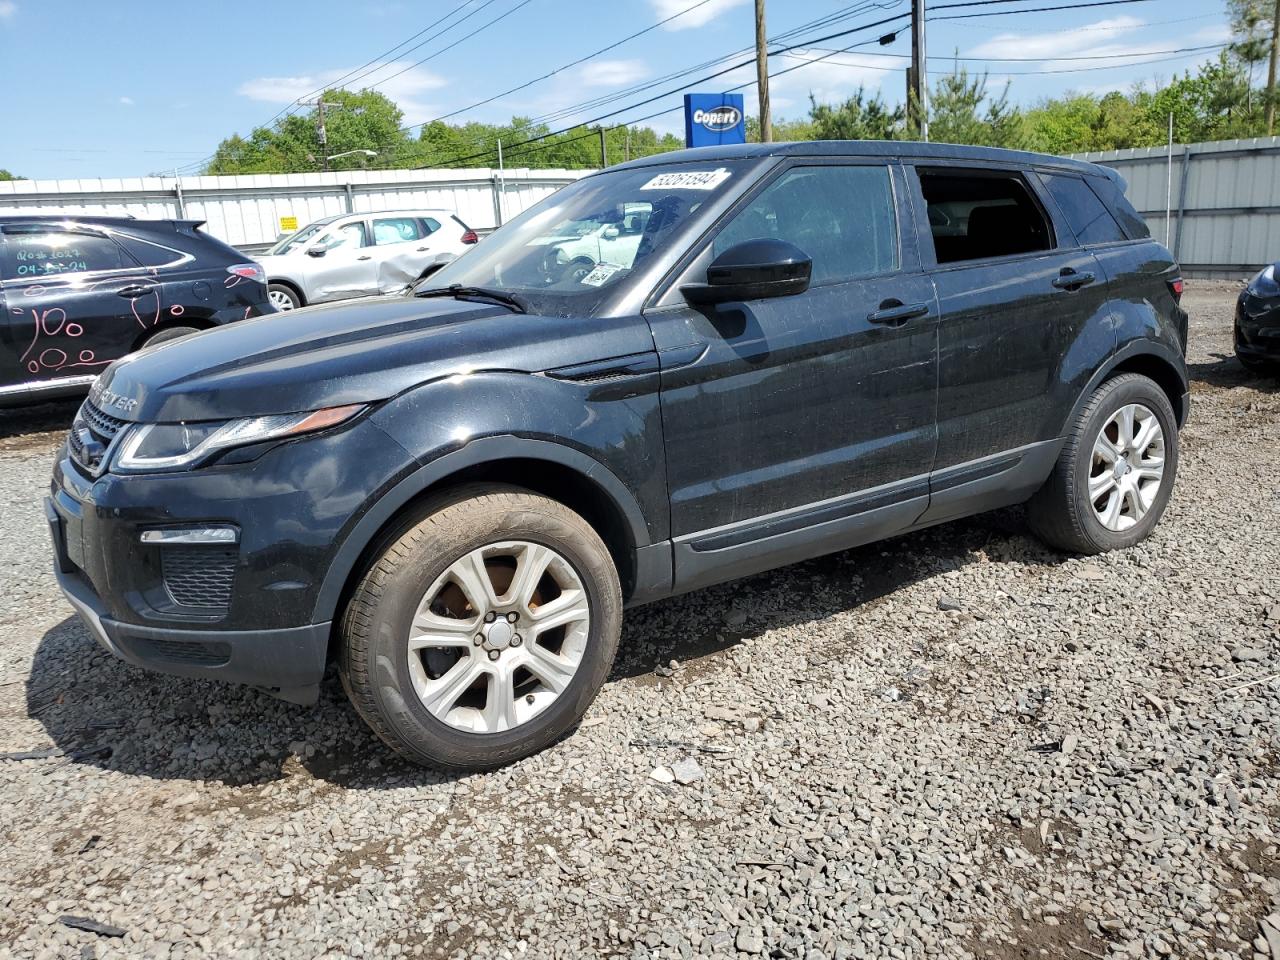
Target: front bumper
x,y
1257,327
245,611
288,663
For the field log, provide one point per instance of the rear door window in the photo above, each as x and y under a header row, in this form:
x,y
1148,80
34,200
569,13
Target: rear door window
x,y
34,252
978,214
397,230
1087,216
841,216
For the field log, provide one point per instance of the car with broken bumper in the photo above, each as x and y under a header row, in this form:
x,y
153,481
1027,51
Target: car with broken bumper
x,y
455,495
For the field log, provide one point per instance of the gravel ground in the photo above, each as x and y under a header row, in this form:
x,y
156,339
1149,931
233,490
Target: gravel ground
x,y
955,744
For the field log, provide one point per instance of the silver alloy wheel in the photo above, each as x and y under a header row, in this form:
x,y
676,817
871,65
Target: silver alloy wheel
x,y
280,300
1127,467
498,636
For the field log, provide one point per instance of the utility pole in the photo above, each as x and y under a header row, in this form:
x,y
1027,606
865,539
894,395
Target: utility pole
x,y
604,151
322,135
919,69
762,75
1271,72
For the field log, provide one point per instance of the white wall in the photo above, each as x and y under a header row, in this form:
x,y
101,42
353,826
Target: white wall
x,y
246,210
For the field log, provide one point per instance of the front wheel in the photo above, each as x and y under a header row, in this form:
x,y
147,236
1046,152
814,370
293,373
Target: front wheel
x,y
481,632
1115,474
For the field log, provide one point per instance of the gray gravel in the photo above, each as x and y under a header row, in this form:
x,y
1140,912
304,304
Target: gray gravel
x,y
956,744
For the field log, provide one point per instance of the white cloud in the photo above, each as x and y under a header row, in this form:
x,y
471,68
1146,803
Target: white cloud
x,y
613,73
1099,39
405,89
694,18
126,101
7,9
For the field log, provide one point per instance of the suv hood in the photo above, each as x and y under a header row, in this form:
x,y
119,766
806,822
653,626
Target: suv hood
x,y
340,353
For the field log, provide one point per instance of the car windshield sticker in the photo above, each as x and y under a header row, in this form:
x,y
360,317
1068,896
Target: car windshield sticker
x,y
688,180
600,275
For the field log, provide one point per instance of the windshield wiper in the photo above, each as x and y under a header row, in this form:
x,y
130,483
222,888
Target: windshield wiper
x,y
518,304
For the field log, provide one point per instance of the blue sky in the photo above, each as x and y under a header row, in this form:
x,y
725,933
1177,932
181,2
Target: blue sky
x,y
115,89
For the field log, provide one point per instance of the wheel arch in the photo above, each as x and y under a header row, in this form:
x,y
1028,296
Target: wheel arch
x,y
552,470
292,285
1150,360
186,320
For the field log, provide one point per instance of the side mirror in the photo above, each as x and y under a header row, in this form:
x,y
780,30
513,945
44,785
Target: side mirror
x,y
610,233
753,270
316,251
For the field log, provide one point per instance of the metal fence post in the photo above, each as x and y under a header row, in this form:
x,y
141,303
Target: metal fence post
x,y
177,192
351,197
1182,199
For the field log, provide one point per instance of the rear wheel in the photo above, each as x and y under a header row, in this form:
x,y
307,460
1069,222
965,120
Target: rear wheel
x,y
1115,474
167,334
283,296
483,631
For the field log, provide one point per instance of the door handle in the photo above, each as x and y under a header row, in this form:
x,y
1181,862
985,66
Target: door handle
x,y
1068,279
135,290
423,249
894,313
364,256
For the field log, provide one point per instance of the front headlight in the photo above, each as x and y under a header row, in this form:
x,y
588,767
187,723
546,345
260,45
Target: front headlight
x,y
1265,283
176,446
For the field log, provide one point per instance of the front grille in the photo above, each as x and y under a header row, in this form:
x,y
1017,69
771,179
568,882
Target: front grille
x,y
199,577
180,651
103,424
91,435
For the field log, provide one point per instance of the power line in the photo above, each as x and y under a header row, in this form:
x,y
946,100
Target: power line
x,y
1032,73
450,46
561,68
1099,56
379,58
1009,13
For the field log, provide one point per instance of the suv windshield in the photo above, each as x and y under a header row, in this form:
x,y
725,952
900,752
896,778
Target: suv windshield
x,y
565,254
295,241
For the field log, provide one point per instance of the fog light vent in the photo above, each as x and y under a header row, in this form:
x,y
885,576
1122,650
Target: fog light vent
x,y
199,577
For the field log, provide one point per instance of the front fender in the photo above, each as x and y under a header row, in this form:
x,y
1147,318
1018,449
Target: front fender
x,y
450,425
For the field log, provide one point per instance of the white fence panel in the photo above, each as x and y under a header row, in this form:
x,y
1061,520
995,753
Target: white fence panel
x,y
245,211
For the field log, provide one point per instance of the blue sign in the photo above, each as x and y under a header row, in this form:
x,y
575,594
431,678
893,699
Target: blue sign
x,y
712,119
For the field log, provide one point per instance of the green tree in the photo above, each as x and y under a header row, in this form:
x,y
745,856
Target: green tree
x,y
6,175
962,111
861,117
366,120
1256,28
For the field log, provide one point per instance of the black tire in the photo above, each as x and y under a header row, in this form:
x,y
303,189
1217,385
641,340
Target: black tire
x,y
1263,368
373,659
286,291
167,334
1060,513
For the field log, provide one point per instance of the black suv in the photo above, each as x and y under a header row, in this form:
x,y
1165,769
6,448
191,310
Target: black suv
x,y
455,493
78,292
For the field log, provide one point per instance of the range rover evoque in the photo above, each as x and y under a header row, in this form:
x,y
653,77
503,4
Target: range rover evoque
x,y
456,493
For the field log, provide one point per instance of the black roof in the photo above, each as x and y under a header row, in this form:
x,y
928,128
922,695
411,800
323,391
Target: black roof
x,y
64,217
864,148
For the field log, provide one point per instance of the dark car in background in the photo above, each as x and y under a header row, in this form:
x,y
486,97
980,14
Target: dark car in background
x,y
78,292
805,347
1257,325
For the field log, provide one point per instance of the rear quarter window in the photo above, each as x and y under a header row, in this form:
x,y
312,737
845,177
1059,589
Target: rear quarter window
x,y
1085,213
1110,193
149,254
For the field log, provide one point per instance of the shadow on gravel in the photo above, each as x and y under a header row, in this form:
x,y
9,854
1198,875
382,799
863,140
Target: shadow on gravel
x,y
103,712
39,418
1227,372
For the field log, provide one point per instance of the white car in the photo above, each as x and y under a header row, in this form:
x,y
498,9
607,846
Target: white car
x,y
362,254
580,246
